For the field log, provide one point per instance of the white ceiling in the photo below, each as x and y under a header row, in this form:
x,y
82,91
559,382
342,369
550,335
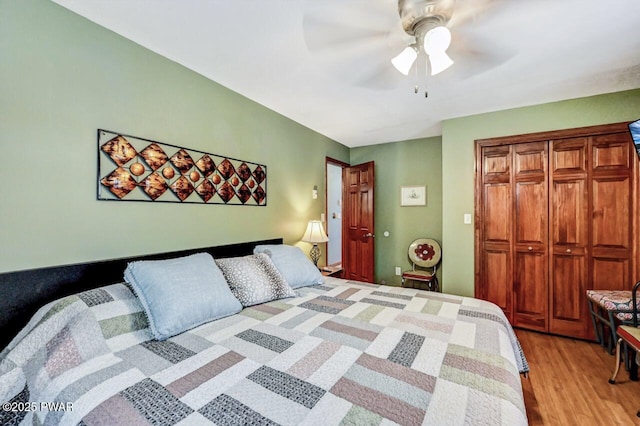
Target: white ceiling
x,y
337,79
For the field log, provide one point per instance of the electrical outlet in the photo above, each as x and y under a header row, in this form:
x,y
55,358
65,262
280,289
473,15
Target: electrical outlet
x,y
398,271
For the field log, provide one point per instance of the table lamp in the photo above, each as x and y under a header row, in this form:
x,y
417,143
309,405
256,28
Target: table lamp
x,y
315,234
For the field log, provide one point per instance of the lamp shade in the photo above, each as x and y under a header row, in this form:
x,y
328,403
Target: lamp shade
x,y
405,60
315,233
439,62
436,43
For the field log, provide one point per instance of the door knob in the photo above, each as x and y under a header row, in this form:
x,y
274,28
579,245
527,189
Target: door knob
x,y
369,235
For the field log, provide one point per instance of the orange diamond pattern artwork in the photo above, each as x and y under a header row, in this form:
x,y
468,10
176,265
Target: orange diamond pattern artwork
x,y
137,169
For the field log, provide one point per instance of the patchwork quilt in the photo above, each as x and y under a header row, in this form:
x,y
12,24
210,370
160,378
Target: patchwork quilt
x,y
339,353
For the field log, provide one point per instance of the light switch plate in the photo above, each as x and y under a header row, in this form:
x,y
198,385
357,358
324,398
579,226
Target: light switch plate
x,y
467,219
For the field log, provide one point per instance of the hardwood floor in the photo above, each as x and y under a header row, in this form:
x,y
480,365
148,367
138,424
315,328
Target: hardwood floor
x,y
568,383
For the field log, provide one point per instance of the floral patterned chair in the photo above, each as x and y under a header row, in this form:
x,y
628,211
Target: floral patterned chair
x,y
630,335
609,308
424,254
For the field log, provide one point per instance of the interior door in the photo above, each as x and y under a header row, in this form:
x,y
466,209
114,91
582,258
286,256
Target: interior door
x,y
358,237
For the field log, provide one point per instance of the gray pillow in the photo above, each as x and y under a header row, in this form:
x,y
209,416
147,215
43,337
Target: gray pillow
x,y
293,264
182,293
254,279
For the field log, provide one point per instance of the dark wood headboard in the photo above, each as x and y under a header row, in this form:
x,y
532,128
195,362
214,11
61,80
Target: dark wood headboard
x,y
22,293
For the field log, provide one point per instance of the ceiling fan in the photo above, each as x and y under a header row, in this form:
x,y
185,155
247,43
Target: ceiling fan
x,y
376,43
425,20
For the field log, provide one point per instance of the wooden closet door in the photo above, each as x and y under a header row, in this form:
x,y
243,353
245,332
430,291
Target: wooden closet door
x,y
530,281
496,229
612,212
592,221
569,236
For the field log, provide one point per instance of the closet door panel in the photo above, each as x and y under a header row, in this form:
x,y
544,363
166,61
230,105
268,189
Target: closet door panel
x,y
568,213
613,212
496,164
530,290
612,152
530,285
611,221
531,217
495,234
530,267
569,155
567,303
569,237
610,273
497,277
497,213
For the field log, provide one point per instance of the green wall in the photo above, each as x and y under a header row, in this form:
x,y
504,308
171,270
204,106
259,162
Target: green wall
x,y
61,78
458,163
414,162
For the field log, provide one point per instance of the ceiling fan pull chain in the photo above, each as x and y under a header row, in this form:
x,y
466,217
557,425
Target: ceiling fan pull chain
x,y
416,87
426,76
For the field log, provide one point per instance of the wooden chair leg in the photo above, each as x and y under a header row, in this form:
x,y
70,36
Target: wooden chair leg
x,y
612,380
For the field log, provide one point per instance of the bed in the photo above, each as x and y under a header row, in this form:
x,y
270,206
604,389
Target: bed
x,y
339,352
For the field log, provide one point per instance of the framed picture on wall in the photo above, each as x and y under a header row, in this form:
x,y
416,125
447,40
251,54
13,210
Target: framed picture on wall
x,y
413,195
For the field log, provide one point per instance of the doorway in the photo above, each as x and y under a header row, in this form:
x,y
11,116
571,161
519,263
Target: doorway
x,y
350,219
334,210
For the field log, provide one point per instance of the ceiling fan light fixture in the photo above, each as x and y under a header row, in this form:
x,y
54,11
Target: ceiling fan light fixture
x,y
436,43
405,59
437,40
439,62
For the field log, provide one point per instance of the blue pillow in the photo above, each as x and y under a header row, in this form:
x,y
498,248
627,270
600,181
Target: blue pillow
x,y
293,264
180,294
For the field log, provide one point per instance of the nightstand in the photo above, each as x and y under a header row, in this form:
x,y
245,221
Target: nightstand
x,y
331,271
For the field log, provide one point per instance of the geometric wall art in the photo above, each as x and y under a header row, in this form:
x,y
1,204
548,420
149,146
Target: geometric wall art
x,y
137,169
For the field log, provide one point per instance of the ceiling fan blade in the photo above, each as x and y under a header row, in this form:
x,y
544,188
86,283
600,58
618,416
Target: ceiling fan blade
x,y
470,11
322,35
363,32
381,77
357,13
471,60
359,21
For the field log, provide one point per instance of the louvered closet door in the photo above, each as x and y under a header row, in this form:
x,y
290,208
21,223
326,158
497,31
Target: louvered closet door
x,y
569,236
496,268
530,281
